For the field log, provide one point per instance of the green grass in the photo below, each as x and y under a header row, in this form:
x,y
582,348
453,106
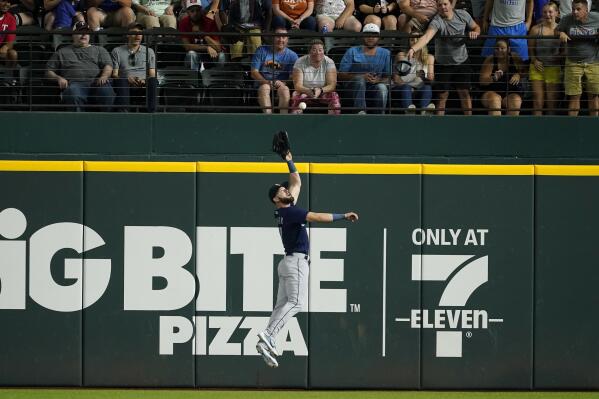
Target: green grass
x,y
275,394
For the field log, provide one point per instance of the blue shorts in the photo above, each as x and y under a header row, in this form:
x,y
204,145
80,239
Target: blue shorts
x,y
63,14
518,46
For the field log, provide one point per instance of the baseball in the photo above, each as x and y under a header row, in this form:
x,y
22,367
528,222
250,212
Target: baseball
x,y
302,105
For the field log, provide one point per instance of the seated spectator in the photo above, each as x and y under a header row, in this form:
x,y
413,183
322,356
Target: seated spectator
x,y
27,12
500,78
315,79
251,16
382,13
582,56
545,70
109,13
293,14
415,15
202,51
365,72
336,14
152,14
61,14
132,65
271,69
413,79
451,54
508,18
82,71
8,55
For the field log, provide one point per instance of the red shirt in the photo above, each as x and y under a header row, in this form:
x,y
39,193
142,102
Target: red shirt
x,y
206,25
8,22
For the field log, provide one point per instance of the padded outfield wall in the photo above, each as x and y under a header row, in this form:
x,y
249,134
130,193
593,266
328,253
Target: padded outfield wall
x,y
159,274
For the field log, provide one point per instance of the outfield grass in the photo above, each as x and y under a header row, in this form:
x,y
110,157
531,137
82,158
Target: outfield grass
x,y
273,394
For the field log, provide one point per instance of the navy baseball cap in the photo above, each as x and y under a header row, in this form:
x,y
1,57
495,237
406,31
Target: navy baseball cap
x,y
272,192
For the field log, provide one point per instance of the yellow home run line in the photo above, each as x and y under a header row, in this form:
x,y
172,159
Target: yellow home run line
x,y
313,168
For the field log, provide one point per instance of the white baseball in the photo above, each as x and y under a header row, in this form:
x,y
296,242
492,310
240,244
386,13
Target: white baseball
x,y
302,105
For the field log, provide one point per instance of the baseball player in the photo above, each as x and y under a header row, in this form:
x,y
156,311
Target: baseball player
x,y
294,267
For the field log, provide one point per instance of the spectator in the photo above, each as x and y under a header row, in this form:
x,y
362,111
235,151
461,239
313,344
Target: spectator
x,y
108,13
336,14
579,31
500,77
82,71
152,14
27,12
132,65
293,14
62,14
545,70
365,70
451,54
508,18
8,55
416,15
413,79
251,16
271,69
315,79
202,51
382,13
565,7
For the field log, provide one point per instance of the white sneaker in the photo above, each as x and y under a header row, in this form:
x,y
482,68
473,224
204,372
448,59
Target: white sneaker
x,y
269,342
411,109
362,112
268,358
429,110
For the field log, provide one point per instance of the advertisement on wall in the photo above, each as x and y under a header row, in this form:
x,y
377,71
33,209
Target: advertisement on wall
x,y
163,274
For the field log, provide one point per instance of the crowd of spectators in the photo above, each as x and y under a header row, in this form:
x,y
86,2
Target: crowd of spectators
x,y
531,46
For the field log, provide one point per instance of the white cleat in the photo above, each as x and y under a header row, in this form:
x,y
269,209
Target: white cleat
x,y
268,358
269,342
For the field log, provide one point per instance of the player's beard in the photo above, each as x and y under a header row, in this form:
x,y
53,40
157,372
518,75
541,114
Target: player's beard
x,y
287,200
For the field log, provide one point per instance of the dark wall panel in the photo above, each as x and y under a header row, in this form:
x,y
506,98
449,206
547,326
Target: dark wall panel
x,y
566,345
360,345
40,228
148,222
478,293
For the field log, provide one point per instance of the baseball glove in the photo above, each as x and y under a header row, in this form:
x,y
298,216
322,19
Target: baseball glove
x,y
280,143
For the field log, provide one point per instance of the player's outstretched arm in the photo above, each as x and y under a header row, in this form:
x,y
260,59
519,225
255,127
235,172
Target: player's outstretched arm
x,y
295,181
331,217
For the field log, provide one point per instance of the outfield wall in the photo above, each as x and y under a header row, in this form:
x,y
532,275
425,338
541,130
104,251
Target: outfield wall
x,y
160,275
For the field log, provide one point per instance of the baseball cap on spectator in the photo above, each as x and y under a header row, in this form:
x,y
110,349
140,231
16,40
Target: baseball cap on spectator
x,y
191,3
81,26
371,28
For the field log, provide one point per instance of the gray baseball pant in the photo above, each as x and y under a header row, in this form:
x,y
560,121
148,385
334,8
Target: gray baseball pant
x,y
293,273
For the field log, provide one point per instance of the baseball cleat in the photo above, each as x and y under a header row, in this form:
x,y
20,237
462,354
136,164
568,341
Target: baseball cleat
x,y
269,342
268,358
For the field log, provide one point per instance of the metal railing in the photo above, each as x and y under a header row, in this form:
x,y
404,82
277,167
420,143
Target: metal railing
x,y
228,86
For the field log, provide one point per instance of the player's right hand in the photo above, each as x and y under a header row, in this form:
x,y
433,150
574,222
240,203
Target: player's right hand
x,y
351,216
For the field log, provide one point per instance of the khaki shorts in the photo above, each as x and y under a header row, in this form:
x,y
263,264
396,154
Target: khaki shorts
x,y
551,74
251,44
573,77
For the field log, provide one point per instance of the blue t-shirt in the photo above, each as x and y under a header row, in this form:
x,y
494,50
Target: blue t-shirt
x,y
354,60
278,68
292,226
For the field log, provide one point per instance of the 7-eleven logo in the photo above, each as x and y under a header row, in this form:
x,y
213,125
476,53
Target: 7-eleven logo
x,y
464,274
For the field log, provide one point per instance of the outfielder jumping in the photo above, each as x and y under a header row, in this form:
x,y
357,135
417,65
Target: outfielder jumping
x,y
293,269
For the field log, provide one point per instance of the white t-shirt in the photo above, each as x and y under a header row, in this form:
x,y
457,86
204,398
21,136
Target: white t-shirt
x,y
330,8
314,77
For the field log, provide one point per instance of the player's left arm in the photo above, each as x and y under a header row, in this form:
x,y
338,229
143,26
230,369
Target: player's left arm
x,y
295,181
331,217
